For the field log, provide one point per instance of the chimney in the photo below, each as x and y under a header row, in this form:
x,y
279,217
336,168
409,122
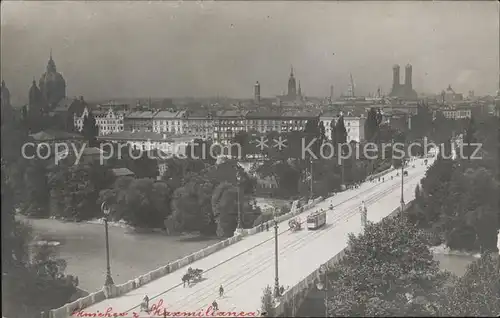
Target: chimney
x,y
81,98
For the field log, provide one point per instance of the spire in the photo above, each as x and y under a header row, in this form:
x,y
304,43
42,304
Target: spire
x,y
51,65
291,70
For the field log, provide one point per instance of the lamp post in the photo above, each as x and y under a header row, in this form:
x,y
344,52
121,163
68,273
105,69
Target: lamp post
x,y
323,270
238,179
312,181
105,210
276,278
402,182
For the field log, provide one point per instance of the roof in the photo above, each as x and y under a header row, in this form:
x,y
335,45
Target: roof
x,y
231,113
141,114
64,104
263,114
203,114
92,151
51,135
122,172
301,114
165,114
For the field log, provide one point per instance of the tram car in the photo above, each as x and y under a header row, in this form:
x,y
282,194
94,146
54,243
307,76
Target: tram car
x,y
316,220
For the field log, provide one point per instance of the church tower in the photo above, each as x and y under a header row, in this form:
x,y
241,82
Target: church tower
x,y
6,108
52,84
300,91
292,86
256,93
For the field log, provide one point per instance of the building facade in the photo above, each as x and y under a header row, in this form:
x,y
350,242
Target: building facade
x,y
139,121
168,122
108,122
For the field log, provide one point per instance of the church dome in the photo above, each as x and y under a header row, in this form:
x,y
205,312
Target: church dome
x,y
34,94
52,84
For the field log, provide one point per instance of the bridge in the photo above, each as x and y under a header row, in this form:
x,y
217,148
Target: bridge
x,y
245,264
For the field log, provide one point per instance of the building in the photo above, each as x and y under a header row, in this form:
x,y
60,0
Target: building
x,y
227,124
296,120
122,172
92,155
293,96
256,93
7,112
149,141
139,121
168,122
406,90
263,121
354,125
457,112
52,84
66,109
107,121
449,96
198,123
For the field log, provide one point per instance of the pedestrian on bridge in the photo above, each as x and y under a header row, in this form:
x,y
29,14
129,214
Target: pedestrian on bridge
x,y
145,304
267,226
221,291
215,306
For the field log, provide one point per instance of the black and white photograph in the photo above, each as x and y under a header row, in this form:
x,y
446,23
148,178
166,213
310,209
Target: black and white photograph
x,y
226,158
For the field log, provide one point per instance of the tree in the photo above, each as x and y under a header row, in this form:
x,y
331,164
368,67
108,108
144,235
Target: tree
x,y
225,208
384,272
74,190
242,138
37,191
192,206
333,137
469,139
371,124
142,202
31,283
340,132
268,302
90,129
477,292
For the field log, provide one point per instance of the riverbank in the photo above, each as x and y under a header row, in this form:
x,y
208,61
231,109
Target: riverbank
x,y
132,254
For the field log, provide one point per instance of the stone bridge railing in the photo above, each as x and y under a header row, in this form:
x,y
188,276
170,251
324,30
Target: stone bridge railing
x,y
118,290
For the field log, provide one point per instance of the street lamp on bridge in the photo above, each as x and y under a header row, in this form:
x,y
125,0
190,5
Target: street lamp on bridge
x,y
276,278
238,180
105,210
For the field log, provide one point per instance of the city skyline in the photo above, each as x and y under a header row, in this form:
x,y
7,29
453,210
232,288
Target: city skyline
x,y
208,49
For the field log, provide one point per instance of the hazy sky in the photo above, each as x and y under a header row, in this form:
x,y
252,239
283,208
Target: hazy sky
x,y
161,49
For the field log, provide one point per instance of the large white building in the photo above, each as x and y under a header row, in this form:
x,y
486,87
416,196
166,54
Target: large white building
x,y
354,125
168,122
108,121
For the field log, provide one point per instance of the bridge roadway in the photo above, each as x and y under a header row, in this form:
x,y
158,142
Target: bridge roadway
x,y
245,268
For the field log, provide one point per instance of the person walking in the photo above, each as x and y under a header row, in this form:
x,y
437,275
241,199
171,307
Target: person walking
x,y
215,306
145,304
221,291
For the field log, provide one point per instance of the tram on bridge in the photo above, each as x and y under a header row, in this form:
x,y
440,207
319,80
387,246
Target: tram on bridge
x,y
316,220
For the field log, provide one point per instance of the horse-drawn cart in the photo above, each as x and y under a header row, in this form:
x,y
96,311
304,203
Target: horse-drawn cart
x,y
294,225
192,275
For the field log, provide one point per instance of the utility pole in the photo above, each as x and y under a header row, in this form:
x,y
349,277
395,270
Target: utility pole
x,y
312,182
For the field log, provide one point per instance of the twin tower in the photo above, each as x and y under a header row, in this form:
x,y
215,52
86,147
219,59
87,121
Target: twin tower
x,y
404,91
